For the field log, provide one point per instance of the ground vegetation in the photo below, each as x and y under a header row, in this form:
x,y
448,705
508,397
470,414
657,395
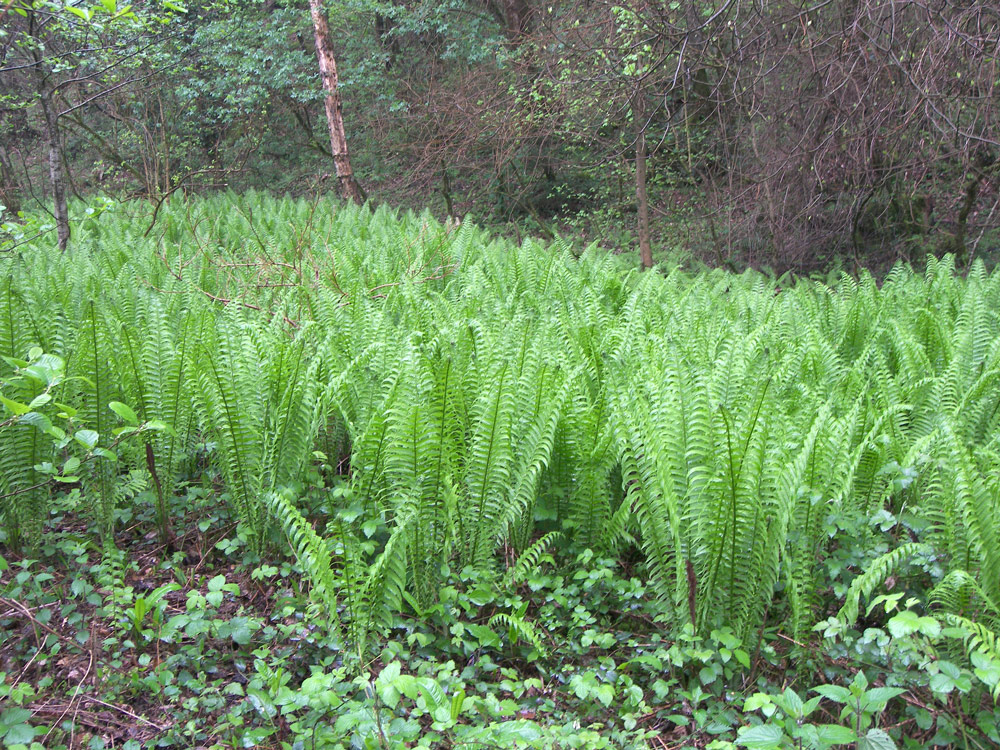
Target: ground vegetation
x,y
288,473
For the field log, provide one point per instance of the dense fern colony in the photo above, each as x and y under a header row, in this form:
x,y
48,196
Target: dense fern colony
x,y
484,402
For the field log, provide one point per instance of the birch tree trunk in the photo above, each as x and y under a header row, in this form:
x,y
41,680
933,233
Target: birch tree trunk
x,y
46,98
56,178
641,199
349,187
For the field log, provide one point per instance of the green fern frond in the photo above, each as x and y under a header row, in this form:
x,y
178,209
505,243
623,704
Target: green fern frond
x,y
877,571
528,560
958,591
312,553
978,639
519,628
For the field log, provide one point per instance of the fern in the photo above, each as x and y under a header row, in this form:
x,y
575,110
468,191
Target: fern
x,y
958,592
92,368
312,553
479,399
529,560
875,574
153,373
225,372
487,468
978,639
519,628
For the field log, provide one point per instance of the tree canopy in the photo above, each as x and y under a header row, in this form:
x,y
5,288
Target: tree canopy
x,y
788,132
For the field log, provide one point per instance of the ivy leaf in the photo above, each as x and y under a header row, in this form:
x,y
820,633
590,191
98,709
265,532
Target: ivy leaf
x,y
605,694
481,596
238,629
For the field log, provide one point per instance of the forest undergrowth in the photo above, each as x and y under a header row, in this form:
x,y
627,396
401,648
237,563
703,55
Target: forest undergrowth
x,y
290,474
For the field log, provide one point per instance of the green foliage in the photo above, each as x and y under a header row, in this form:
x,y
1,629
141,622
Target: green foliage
x,y
312,553
874,576
787,727
432,418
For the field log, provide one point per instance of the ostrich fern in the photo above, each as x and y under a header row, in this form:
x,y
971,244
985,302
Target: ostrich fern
x,y
472,389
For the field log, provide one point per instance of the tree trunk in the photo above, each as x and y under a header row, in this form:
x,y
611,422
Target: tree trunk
x,y
970,194
384,26
514,16
641,199
8,186
349,187
57,180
